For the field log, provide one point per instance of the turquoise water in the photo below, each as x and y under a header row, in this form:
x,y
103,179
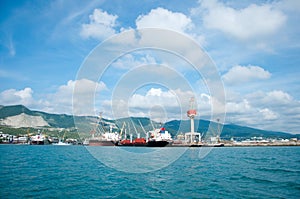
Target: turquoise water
x,y
72,172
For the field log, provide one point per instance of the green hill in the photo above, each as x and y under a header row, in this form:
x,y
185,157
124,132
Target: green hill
x,y
7,111
138,125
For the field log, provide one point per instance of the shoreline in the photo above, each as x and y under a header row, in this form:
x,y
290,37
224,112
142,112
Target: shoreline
x,y
217,145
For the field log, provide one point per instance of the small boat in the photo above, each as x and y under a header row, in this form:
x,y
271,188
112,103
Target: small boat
x,y
213,145
23,140
61,143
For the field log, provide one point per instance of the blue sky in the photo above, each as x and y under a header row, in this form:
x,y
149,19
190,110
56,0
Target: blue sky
x,y
254,45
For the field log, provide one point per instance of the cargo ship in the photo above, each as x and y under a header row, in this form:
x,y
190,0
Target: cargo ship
x,y
39,139
102,137
158,138
136,142
105,139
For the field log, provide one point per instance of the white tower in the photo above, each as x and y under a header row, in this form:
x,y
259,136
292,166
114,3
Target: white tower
x,y
191,113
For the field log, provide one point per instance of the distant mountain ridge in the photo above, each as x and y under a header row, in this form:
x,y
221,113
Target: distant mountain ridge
x,y
137,125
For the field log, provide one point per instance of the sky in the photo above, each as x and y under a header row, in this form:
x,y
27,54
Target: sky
x,y
253,46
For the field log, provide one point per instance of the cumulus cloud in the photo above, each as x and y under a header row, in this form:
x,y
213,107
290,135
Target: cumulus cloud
x,y
278,97
245,23
241,74
289,5
13,96
272,98
163,105
166,19
154,97
129,61
238,107
163,18
271,110
61,101
81,92
101,25
268,114
155,103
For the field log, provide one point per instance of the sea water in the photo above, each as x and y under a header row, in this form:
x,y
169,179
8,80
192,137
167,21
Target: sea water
x,y
72,172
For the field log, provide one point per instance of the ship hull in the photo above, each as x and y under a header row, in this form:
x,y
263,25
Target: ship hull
x,y
130,144
157,143
144,144
37,142
101,143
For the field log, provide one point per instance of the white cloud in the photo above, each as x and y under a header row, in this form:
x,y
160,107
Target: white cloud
x,y
154,97
83,86
163,18
241,74
101,25
163,105
238,107
156,104
13,96
273,110
130,61
11,47
61,100
268,114
250,22
166,19
289,5
81,92
276,98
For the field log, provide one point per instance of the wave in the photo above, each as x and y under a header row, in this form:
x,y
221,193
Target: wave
x,y
279,170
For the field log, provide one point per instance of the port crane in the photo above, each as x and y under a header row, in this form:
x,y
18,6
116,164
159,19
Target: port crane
x,y
122,129
147,136
138,134
94,130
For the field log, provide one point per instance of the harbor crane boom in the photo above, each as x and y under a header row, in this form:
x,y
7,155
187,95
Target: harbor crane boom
x,y
122,129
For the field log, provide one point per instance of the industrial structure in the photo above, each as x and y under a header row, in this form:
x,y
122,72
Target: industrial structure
x,y
192,137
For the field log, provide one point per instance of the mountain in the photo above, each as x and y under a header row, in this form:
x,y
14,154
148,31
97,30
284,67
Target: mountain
x,y
54,120
7,111
228,131
20,116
